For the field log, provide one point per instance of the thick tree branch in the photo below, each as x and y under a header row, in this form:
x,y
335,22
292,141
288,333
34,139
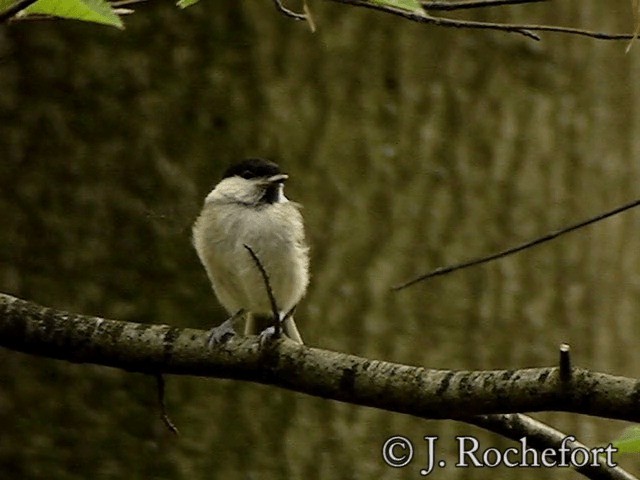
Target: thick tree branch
x,y
468,396
427,393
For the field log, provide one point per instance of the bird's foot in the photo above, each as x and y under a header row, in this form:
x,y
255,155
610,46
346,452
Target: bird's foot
x,y
221,333
224,331
270,333
267,335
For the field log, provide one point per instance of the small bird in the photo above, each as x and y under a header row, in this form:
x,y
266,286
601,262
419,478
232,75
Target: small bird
x,y
248,207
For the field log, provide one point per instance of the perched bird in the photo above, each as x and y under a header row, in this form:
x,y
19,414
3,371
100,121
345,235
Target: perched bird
x,y
248,207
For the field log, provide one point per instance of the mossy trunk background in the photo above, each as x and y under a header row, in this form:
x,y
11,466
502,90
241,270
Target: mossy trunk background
x,y
410,147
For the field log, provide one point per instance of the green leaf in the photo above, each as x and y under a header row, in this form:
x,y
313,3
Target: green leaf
x,y
629,440
98,11
186,3
409,5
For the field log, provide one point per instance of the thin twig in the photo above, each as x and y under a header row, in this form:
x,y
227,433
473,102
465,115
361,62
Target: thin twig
x,y
14,9
290,312
267,285
422,17
565,362
297,16
468,4
308,16
523,246
516,28
526,30
542,28
447,22
163,408
289,13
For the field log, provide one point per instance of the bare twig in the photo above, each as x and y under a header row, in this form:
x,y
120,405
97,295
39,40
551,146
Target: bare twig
x,y
575,31
297,16
468,4
289,13
565,362
309,17
163,408
14,9
523,246
267,286
415,16
290,312
526,30
541,436
422,17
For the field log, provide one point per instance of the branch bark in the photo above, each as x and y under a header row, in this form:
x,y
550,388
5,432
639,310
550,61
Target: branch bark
x,y
426,393
541,436
474,397
522,29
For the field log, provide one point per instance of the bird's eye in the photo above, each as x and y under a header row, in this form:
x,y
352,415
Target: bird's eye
x,y
247,174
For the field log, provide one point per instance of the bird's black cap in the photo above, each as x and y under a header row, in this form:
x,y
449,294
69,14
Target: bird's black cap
x,y
253,168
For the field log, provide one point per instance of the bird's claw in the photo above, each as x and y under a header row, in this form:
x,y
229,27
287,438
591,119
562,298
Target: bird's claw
x,y
267,335
221,333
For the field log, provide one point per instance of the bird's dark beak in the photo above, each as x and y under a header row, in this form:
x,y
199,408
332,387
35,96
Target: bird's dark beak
x,y
279,178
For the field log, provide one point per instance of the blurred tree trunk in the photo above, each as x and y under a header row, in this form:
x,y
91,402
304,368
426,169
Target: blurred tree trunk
x,y
411,147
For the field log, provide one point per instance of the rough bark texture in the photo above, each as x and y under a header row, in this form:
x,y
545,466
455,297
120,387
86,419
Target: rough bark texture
x,y
426,393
